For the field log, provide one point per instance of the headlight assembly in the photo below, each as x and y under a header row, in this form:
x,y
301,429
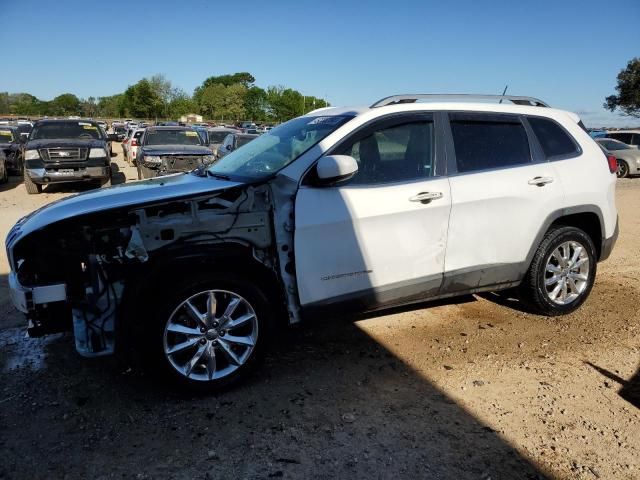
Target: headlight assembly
x,y
31,155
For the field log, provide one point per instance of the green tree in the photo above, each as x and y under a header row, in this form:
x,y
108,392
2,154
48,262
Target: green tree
x,y
212,101
65,104
142,101
26,104
4,102
112,106
255,104
89,107
234,101
180,104
284,103
628,88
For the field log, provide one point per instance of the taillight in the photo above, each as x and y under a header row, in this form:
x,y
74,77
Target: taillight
x,y
613,163
134,143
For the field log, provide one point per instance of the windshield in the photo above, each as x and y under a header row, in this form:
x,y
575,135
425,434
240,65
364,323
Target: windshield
x,y
172,137
276,149
217,137
614,145
243,140
80,130
6,136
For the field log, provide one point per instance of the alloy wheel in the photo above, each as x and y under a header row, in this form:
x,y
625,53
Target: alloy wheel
x,y
623,169
567,272
210,335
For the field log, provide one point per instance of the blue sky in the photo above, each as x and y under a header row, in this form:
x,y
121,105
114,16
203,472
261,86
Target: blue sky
x,y
567,53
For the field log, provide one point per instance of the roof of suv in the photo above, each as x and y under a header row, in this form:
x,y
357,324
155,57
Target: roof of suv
x,y
408,103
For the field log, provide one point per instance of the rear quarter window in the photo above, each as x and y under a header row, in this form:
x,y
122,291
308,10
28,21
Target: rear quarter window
x,y
554,140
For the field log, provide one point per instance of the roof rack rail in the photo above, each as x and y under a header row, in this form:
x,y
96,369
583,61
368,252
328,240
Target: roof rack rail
x,y
412,98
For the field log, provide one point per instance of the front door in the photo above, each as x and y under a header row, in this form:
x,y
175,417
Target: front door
x,y
379,238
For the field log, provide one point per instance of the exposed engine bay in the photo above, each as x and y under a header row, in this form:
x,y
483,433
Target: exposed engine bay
x,y
98,257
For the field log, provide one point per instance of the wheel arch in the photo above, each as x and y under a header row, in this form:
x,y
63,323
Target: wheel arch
x,y
176,264
588,218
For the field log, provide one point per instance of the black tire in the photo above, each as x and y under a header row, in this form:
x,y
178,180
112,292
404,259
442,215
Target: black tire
x,y
533,288
241,285
623,169
32,187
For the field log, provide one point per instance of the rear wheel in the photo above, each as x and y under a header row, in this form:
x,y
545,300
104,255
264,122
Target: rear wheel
x,y
562,272
32,187
623,169
211,332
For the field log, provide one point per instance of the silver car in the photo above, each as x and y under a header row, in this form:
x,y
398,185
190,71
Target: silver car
x,y
627,156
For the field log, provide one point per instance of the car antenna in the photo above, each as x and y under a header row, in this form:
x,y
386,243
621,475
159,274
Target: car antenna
x,y
503,92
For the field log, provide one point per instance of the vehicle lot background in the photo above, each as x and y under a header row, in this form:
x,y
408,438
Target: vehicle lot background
x,y
476,389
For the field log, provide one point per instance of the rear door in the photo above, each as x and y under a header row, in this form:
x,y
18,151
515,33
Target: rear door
x,y
501,195
380,238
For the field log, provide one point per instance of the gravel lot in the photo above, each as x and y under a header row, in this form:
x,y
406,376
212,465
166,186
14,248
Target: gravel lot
x,y
477,389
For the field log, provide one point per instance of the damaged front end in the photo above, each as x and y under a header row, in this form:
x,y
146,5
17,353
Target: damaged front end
x,y
78,273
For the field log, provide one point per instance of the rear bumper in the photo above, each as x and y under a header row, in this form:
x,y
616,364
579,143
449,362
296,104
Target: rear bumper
x,y
50,175
609,243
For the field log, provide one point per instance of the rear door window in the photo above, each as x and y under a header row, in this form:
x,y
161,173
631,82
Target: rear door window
x,y
554,140
487,141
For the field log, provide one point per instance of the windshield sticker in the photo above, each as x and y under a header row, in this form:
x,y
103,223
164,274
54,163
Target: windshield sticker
x,y
5,133
326,120
89,127
191,134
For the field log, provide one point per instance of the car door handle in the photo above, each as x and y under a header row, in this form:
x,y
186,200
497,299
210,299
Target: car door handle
x,y
426,197
540,181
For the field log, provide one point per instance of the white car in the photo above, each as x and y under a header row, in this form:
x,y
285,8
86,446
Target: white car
x,y
339,211
131,143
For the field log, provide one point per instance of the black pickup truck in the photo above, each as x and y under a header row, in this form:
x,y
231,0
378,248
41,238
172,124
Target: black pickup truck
x,y
66,151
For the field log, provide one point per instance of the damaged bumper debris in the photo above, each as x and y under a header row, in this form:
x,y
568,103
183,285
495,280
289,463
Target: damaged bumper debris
x,y
72,273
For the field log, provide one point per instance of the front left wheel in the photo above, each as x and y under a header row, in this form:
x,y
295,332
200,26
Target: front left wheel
x,y
211,333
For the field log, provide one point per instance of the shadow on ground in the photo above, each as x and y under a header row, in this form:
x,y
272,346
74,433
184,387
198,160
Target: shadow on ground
x,y
630,390
329,402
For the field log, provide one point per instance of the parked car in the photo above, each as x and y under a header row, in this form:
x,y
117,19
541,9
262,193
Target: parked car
x,y
11,144
66,151
166,150
234,141
4,168
120,133
24,129
630,137
343,210
217,136
132,144
627,157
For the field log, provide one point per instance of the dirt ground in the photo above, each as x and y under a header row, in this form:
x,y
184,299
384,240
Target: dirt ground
x,y
475,389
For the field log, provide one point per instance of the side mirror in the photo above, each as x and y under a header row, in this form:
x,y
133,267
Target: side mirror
x,y
112,137
333,169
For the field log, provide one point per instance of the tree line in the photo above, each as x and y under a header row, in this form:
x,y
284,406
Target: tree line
x,y
225,97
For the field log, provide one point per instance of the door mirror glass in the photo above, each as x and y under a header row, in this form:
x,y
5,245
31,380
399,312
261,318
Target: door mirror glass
x,y
332,169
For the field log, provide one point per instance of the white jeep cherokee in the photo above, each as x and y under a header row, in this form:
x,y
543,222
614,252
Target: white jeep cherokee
x,y
341,210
